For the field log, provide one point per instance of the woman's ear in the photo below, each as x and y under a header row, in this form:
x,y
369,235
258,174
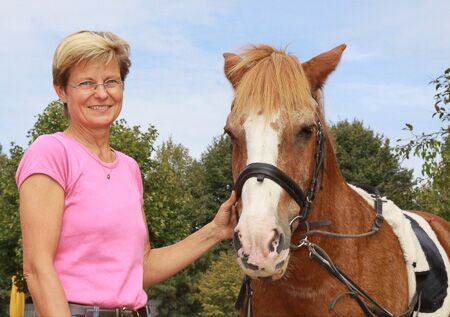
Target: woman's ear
x,y
61,92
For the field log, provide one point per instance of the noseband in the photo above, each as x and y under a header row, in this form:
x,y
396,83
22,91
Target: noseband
x,y
264,170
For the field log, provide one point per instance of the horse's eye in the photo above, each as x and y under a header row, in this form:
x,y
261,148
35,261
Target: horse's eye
x,y
305,132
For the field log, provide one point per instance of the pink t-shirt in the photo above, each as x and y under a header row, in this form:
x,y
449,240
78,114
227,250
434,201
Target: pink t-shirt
x,y
100,255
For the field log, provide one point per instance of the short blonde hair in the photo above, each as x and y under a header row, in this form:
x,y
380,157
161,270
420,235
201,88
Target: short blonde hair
x,y
85,46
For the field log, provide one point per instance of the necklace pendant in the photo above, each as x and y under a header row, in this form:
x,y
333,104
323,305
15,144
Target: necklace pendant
x,y
108,176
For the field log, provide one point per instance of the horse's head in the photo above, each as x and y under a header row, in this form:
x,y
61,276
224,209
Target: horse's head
x,y
274,120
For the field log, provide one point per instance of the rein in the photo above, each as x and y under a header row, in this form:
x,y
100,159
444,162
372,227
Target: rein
x,y
264,170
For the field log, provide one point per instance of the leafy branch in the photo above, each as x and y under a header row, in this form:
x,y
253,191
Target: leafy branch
x,y
432,147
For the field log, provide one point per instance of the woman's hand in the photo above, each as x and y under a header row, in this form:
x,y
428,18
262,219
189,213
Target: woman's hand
x,y
225,219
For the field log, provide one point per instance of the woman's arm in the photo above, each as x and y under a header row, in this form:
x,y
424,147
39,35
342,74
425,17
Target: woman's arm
x,y
41,210
162,263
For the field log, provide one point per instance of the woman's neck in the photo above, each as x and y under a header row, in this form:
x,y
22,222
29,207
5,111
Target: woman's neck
x,y
95,140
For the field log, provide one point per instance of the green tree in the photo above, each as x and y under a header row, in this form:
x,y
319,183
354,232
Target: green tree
x,y
167,195
204,185
366,157
51,120
213,178
10,234
434,149
171,214
219,287
434,195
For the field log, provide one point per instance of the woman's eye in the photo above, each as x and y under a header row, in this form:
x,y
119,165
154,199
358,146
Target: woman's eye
x,y
86,83
111,82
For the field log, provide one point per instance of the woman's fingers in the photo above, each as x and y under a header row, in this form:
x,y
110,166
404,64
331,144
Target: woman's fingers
x,y
228,204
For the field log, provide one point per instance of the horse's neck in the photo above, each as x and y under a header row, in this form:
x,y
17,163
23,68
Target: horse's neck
x,y
337,202
348,213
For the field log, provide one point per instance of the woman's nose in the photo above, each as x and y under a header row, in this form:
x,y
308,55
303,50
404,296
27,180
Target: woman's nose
x,y
101,92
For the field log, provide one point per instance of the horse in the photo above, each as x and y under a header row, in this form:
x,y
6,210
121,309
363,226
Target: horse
x,y
309,243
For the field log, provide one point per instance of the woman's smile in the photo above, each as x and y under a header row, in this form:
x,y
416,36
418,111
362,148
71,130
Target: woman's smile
x,y
101,108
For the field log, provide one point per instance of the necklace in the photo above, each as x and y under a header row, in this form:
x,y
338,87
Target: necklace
x,y
108,171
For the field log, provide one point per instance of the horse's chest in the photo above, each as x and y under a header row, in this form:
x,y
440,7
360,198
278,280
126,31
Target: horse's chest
x,y
309,301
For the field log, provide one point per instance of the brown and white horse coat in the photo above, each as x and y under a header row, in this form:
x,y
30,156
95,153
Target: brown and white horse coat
x,y
273,120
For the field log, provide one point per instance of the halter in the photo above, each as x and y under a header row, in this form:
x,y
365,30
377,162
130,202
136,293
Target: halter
x,y
264,170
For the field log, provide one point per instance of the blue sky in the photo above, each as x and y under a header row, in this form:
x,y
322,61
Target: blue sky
x,y
176,81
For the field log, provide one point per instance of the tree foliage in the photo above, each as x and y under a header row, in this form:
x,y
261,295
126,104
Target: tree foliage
x,y
167,195
214,178
10,234
189,192
219,287
51,120
168,200
434,149
434,195
366,157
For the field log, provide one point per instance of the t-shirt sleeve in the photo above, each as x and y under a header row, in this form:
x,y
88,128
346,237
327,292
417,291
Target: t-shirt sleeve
x,y
46,155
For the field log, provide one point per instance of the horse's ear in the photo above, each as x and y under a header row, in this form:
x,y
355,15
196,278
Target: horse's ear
x,y
231,60
318,68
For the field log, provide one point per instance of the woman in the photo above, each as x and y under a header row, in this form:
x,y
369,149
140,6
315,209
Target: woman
x,y
85,243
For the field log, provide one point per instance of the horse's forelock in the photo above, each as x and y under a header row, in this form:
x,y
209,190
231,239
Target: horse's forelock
x,y
271,79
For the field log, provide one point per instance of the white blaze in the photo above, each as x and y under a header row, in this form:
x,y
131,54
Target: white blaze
x,y
260,199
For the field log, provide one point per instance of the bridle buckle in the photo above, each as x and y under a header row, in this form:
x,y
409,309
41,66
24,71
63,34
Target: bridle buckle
x,y
303,243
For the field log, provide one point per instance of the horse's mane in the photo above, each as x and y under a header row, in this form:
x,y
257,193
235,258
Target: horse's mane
x,y
272,79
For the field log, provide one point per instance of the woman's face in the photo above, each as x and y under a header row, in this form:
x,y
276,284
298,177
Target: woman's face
x,y
92,108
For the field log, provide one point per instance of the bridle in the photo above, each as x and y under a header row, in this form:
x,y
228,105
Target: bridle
x,y
264,170
369,306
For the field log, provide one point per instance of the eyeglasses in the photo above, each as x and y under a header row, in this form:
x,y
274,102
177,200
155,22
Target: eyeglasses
x,y
88,87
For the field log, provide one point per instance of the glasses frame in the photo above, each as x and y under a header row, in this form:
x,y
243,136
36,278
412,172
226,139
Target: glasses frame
x,y
92,88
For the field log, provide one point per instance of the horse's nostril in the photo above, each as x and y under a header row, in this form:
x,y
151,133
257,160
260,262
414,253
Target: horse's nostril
x,y
273,243
276,243
237,241
281,245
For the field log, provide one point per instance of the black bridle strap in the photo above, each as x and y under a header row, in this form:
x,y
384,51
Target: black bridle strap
x,y
246,293
264,170
355,291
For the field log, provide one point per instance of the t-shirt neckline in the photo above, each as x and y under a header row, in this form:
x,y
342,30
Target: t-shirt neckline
x,y
92,154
